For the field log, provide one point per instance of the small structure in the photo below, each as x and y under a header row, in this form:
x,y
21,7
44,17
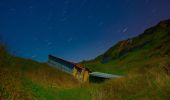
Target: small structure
x,y
78,71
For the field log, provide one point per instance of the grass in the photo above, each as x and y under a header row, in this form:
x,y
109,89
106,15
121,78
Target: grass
x,y
26,79
134,52
152,85
142,63
29,80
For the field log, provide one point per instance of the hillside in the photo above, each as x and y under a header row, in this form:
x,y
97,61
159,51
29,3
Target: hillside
x,y
149,48
144,62
26,79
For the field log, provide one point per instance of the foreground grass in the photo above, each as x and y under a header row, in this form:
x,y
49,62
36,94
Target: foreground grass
x,y
145,64
152,85
25,79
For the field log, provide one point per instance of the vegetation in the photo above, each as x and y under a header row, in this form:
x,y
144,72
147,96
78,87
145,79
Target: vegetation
x,y
26,79
144,61
152,85
151,47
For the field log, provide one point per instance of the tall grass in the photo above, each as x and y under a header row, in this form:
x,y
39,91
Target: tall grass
x,y
151,85
142,62
23,78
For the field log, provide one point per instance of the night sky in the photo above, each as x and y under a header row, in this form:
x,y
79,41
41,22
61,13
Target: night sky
x,y
74,29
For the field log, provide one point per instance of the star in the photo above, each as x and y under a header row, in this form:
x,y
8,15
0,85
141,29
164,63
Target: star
x,y
50,28
30,7
49,43
12,9
154,11
64,12
63,19
33,56
35,39
67,2
49,16
90,17
100,24
125,30
70,39
46,40
83,3
147,1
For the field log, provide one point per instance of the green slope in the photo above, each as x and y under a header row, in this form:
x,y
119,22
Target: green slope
x,y
143,60
26,79
152,46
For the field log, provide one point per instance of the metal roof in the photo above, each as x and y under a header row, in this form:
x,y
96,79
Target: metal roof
x,y
104,75
59,60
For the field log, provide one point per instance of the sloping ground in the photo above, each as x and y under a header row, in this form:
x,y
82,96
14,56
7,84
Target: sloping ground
x,y
135,52
27,79
151,85
144,61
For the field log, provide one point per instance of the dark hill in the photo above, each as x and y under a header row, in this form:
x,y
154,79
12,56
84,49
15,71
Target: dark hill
x,y
25,79
152,46
144,60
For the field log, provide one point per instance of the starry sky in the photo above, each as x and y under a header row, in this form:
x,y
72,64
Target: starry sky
x,y
74,30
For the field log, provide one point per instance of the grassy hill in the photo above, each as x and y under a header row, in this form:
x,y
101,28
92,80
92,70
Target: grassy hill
x,y
26,79
143,60
145,63
149,48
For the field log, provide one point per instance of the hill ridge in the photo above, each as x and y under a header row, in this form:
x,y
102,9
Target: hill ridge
x,y
153,40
